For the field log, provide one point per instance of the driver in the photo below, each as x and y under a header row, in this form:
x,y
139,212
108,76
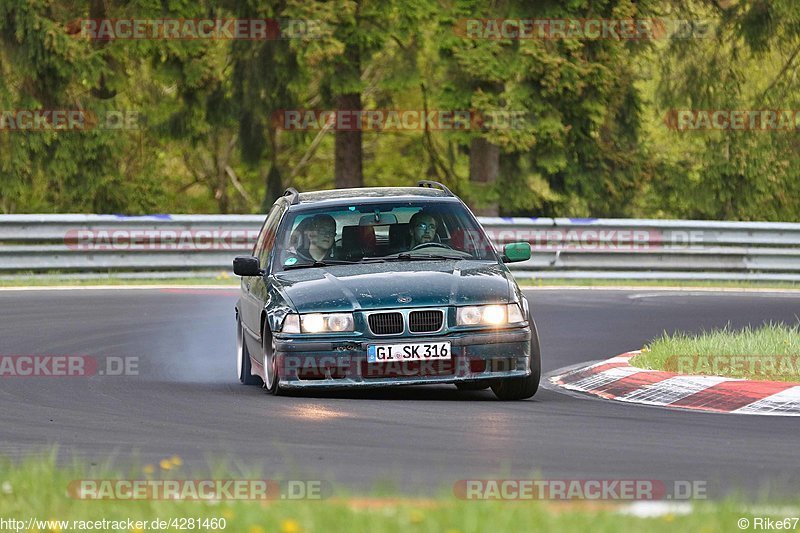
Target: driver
x,y
422,226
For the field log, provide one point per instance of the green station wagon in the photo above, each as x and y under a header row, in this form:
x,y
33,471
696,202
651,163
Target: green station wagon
x,y
386,286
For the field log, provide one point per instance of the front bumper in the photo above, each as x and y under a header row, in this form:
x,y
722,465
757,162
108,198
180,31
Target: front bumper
x,y
339,362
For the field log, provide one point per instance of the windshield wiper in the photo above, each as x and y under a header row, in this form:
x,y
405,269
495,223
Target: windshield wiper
x,y
316,264
405,256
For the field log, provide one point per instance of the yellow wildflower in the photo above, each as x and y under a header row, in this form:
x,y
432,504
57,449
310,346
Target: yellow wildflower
x,y
290,526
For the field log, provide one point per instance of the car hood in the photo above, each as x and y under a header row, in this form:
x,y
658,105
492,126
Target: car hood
x,y
389,285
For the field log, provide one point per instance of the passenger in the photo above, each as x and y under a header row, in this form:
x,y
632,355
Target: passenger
x,y
317,242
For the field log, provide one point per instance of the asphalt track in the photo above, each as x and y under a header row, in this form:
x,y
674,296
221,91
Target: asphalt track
x,y
186,399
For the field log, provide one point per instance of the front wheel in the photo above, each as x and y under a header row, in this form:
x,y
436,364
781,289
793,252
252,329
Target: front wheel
x,y
272,383
521,388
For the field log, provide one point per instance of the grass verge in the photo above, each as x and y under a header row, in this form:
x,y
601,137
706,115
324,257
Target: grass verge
x,y
222,280
37,490
687,284
770,352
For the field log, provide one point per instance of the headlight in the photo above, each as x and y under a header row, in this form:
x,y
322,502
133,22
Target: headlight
x,y
312,323
318,323
489,315
340,322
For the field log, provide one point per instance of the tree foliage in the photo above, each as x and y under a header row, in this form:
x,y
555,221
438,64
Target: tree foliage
x,y
595,141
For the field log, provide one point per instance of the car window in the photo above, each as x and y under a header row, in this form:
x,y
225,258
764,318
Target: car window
x,y
266,240
368,231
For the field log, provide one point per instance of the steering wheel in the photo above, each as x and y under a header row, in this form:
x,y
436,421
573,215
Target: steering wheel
x,y
428,244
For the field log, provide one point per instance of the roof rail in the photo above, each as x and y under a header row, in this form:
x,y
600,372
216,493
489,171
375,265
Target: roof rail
x,y
434,185
291,191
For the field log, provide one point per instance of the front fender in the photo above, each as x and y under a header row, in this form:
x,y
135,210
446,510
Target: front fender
x,y
276,306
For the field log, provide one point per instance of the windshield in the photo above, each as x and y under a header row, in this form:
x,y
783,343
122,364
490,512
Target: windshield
x,y
383,231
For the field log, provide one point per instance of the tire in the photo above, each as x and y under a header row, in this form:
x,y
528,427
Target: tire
x,y
272,381
473,385
243,363
511,389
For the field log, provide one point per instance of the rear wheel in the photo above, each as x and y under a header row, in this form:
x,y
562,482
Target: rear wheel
x,y
243,358
272,383
521,388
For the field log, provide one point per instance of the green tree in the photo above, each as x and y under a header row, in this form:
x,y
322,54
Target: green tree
x,y
578,151
45,67
744,61
354,61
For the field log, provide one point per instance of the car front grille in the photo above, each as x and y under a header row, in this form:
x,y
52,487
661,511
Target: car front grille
x,y
418,321
386,323
425,321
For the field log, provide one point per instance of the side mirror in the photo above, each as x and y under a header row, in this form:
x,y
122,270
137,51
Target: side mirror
x,y
247,265
514,252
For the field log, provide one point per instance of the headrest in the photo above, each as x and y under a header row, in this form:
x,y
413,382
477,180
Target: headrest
x,y
399,235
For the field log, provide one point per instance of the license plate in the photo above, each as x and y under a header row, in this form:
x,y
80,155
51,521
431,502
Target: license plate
x,y
418,351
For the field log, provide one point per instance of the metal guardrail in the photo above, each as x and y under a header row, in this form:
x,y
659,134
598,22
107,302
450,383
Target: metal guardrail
x,y
562,248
